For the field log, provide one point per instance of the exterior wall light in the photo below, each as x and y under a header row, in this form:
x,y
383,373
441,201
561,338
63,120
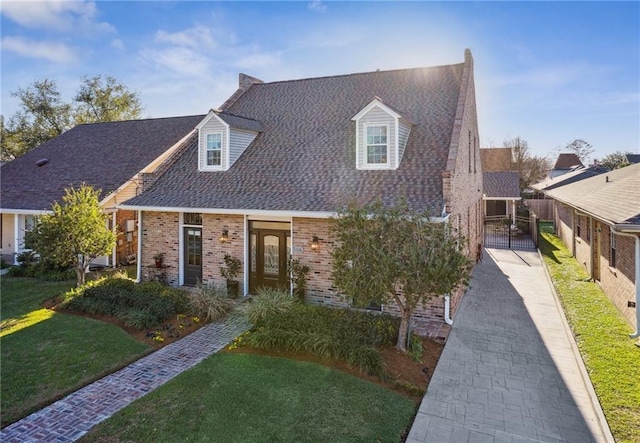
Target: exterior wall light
x,y
315,243
224,237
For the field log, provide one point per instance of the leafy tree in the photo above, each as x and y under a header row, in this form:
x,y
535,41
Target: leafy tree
x,y
580,148
615,160
98,102
531,169
43,114
76,232
386,254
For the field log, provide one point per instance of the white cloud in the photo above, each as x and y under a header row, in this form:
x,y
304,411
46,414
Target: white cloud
x,y
117,43
198,36
183,61
55,52
318,6
56,15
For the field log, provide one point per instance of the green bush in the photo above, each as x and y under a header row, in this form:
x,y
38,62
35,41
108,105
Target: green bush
x,y
268,301
179,297
139,306
139,319
210,302
327,332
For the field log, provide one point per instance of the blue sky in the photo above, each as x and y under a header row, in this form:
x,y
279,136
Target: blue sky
x,y
549,72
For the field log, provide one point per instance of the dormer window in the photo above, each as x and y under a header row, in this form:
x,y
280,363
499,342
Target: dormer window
x,y
222,138
381,136
214,149
377,144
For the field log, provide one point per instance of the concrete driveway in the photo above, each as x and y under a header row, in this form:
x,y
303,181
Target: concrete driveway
x,y
510,371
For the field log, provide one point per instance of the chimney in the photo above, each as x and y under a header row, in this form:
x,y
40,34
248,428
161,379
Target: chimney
x,y
245,81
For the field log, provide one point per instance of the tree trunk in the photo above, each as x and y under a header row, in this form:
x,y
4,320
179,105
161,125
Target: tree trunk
x,y
80,274
401,345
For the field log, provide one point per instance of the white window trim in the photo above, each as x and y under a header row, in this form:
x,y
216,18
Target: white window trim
x,y
365,145
203,155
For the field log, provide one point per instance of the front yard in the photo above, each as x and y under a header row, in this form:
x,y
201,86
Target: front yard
x,y
244,394
611,357
242,397
47,354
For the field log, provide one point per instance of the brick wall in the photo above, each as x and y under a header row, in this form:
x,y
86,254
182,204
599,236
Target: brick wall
x,y
619,282
161,233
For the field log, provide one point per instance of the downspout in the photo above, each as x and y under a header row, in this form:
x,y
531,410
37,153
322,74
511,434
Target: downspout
x,y
447,310
447,301
114,264
139,258
626,234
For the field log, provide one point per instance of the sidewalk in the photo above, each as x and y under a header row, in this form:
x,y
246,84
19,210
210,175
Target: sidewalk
x,y
510,371
70,418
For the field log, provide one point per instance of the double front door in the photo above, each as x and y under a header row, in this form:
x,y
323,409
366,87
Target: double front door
x,y
269,250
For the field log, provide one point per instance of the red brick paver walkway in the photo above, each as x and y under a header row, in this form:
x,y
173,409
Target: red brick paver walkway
x,y
70,418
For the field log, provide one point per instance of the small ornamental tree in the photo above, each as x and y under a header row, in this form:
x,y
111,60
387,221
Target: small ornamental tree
x,y
386,254
76,232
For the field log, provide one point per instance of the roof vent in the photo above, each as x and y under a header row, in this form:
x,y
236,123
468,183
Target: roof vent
x,y
606,179
42,161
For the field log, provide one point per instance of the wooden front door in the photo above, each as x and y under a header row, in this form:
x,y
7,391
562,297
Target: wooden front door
x,y
192,256
269,252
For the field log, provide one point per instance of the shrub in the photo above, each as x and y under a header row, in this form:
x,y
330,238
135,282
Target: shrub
x,y
268,301
139,306
415,348
327,332
139,319
210,302
179,297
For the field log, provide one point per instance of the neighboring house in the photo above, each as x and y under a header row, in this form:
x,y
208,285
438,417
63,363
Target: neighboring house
x,y
541,205
598,218
633,158
108,156
263,175
501,193
565,163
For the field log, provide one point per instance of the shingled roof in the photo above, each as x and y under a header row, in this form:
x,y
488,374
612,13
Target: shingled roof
x,y
567,178
501,184
567,161
104,155
613,197
304,160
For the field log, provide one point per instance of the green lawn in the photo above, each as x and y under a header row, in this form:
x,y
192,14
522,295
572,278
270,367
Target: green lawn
x,y
611,357
252,398
45,354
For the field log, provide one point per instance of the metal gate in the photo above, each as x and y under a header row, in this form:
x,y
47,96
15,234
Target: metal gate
x,y
501,233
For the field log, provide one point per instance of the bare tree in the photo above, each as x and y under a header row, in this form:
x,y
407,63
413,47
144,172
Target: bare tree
x,y
580,148
531,169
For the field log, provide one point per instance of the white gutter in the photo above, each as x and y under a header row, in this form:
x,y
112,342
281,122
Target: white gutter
x,y
447,310
249,212
25,211
637,238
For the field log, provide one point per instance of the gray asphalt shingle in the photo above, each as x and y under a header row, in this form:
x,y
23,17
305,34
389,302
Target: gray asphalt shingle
x,y
104,155
305,158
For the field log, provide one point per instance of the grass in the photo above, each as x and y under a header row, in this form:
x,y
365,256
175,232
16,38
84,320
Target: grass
x,y
611,357
46,354
243,397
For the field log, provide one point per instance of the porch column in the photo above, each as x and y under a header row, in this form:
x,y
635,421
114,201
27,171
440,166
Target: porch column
x,y
16,233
